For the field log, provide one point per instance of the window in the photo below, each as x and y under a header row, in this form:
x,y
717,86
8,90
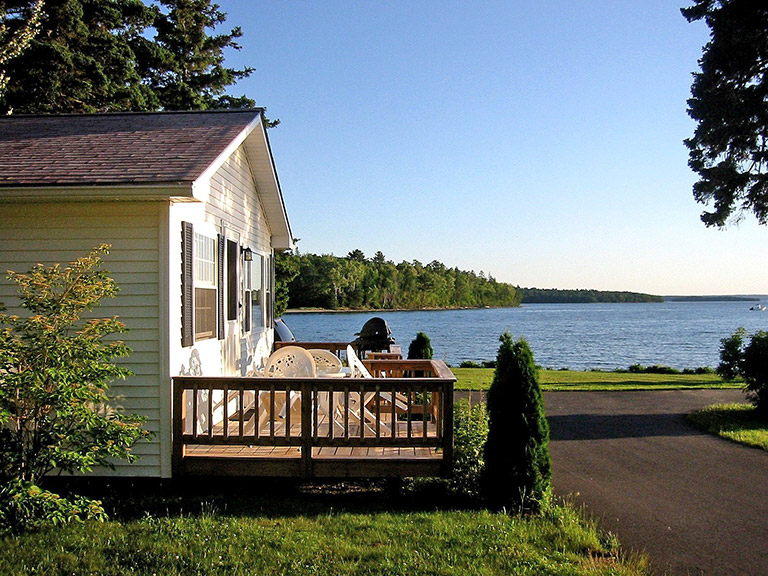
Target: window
x,y
253,284
205,274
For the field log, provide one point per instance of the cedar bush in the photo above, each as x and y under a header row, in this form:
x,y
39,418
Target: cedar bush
x,y
517,473
420,348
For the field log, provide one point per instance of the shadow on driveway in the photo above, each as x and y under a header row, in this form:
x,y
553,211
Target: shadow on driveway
x,y
697,504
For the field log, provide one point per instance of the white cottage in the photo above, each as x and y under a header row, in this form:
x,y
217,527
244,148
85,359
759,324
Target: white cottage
x,y
192,206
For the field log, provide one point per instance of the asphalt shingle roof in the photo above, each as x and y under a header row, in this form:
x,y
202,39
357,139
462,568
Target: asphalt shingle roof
x,y
102,149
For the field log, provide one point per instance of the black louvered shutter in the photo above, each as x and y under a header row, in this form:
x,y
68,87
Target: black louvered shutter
x,y
187,288
220,260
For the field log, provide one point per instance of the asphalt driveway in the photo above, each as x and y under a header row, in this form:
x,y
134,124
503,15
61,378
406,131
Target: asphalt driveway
x,y
697,504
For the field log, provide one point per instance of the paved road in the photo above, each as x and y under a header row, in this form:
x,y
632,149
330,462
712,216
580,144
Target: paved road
x,y
697,504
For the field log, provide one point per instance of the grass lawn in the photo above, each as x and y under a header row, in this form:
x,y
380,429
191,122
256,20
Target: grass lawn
x,y
286,536
737,422
480,379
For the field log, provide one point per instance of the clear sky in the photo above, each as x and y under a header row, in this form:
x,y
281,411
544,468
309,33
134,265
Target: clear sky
x,y
540,141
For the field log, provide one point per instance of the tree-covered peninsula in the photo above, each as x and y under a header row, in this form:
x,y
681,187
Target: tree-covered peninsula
x,y
360,283
552,296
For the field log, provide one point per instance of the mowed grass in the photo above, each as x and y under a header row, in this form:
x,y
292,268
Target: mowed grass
x,y
737,422
481,378
326,542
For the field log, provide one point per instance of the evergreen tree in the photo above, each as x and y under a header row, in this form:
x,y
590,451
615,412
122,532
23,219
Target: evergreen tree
x,y
17,29
81,61
730,105
185,65
420,348
517,472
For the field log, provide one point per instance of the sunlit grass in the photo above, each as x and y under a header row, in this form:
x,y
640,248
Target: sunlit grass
x,y
737,422
481,378
331,543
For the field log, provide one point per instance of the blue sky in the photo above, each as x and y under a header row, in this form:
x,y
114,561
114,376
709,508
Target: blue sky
x,y
539,141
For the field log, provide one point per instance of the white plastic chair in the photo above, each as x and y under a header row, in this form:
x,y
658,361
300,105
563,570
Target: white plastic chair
x,y
326,362
356,366
290,362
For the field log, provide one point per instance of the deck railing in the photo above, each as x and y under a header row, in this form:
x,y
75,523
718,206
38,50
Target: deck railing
x,y
380,426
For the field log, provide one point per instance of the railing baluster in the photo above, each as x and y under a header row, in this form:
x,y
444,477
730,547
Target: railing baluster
x,y
424,412
315,399
194,411
331,412
241,407
378,411
226,411
257,409
272,411
287,411
210,412
410,412
393,431
346,412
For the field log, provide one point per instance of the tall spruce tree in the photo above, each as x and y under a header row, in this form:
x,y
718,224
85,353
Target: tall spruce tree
x,y
185,65
517,474
81,60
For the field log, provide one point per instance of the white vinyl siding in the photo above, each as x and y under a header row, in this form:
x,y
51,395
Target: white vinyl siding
x,y
234,202
60,232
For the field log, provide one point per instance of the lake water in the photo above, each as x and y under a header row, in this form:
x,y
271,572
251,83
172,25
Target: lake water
x,y
577,336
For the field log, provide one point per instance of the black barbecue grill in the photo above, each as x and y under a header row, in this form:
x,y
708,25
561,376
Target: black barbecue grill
x,y
374,337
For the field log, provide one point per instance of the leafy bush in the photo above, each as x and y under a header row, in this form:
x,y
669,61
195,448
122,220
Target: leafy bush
x,y
754,368
54,374
470,430
470,364
517,473
24,506
420,348
731,353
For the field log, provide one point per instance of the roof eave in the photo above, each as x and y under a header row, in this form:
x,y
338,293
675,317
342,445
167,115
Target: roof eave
x,y
178,191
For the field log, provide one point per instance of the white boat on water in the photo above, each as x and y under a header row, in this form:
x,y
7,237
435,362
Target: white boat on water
x,y
759,308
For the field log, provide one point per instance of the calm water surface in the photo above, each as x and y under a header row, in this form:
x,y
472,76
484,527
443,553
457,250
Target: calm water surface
x,y
577,336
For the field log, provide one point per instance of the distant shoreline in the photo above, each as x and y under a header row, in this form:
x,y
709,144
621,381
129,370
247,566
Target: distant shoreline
x,y
384,310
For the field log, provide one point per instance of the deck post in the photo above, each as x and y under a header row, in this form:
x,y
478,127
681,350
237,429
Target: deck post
x,y
306,430
447,428
177,447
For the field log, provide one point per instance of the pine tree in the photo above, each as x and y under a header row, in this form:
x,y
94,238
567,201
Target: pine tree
x,y
517,474
185,66
81,60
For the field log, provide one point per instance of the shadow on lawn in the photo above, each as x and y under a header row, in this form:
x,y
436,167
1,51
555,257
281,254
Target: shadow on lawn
x,y
130,499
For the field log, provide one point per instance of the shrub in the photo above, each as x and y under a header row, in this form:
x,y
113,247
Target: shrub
x,y
420,348
24,506
517,473
470,364
731,352
54,375
655,369
470,430
754,368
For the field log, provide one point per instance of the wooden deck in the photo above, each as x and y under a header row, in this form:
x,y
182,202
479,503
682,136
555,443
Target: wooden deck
x,y
399,423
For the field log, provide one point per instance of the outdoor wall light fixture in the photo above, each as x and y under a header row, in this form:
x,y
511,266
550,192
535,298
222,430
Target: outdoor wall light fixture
x,y
247,254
